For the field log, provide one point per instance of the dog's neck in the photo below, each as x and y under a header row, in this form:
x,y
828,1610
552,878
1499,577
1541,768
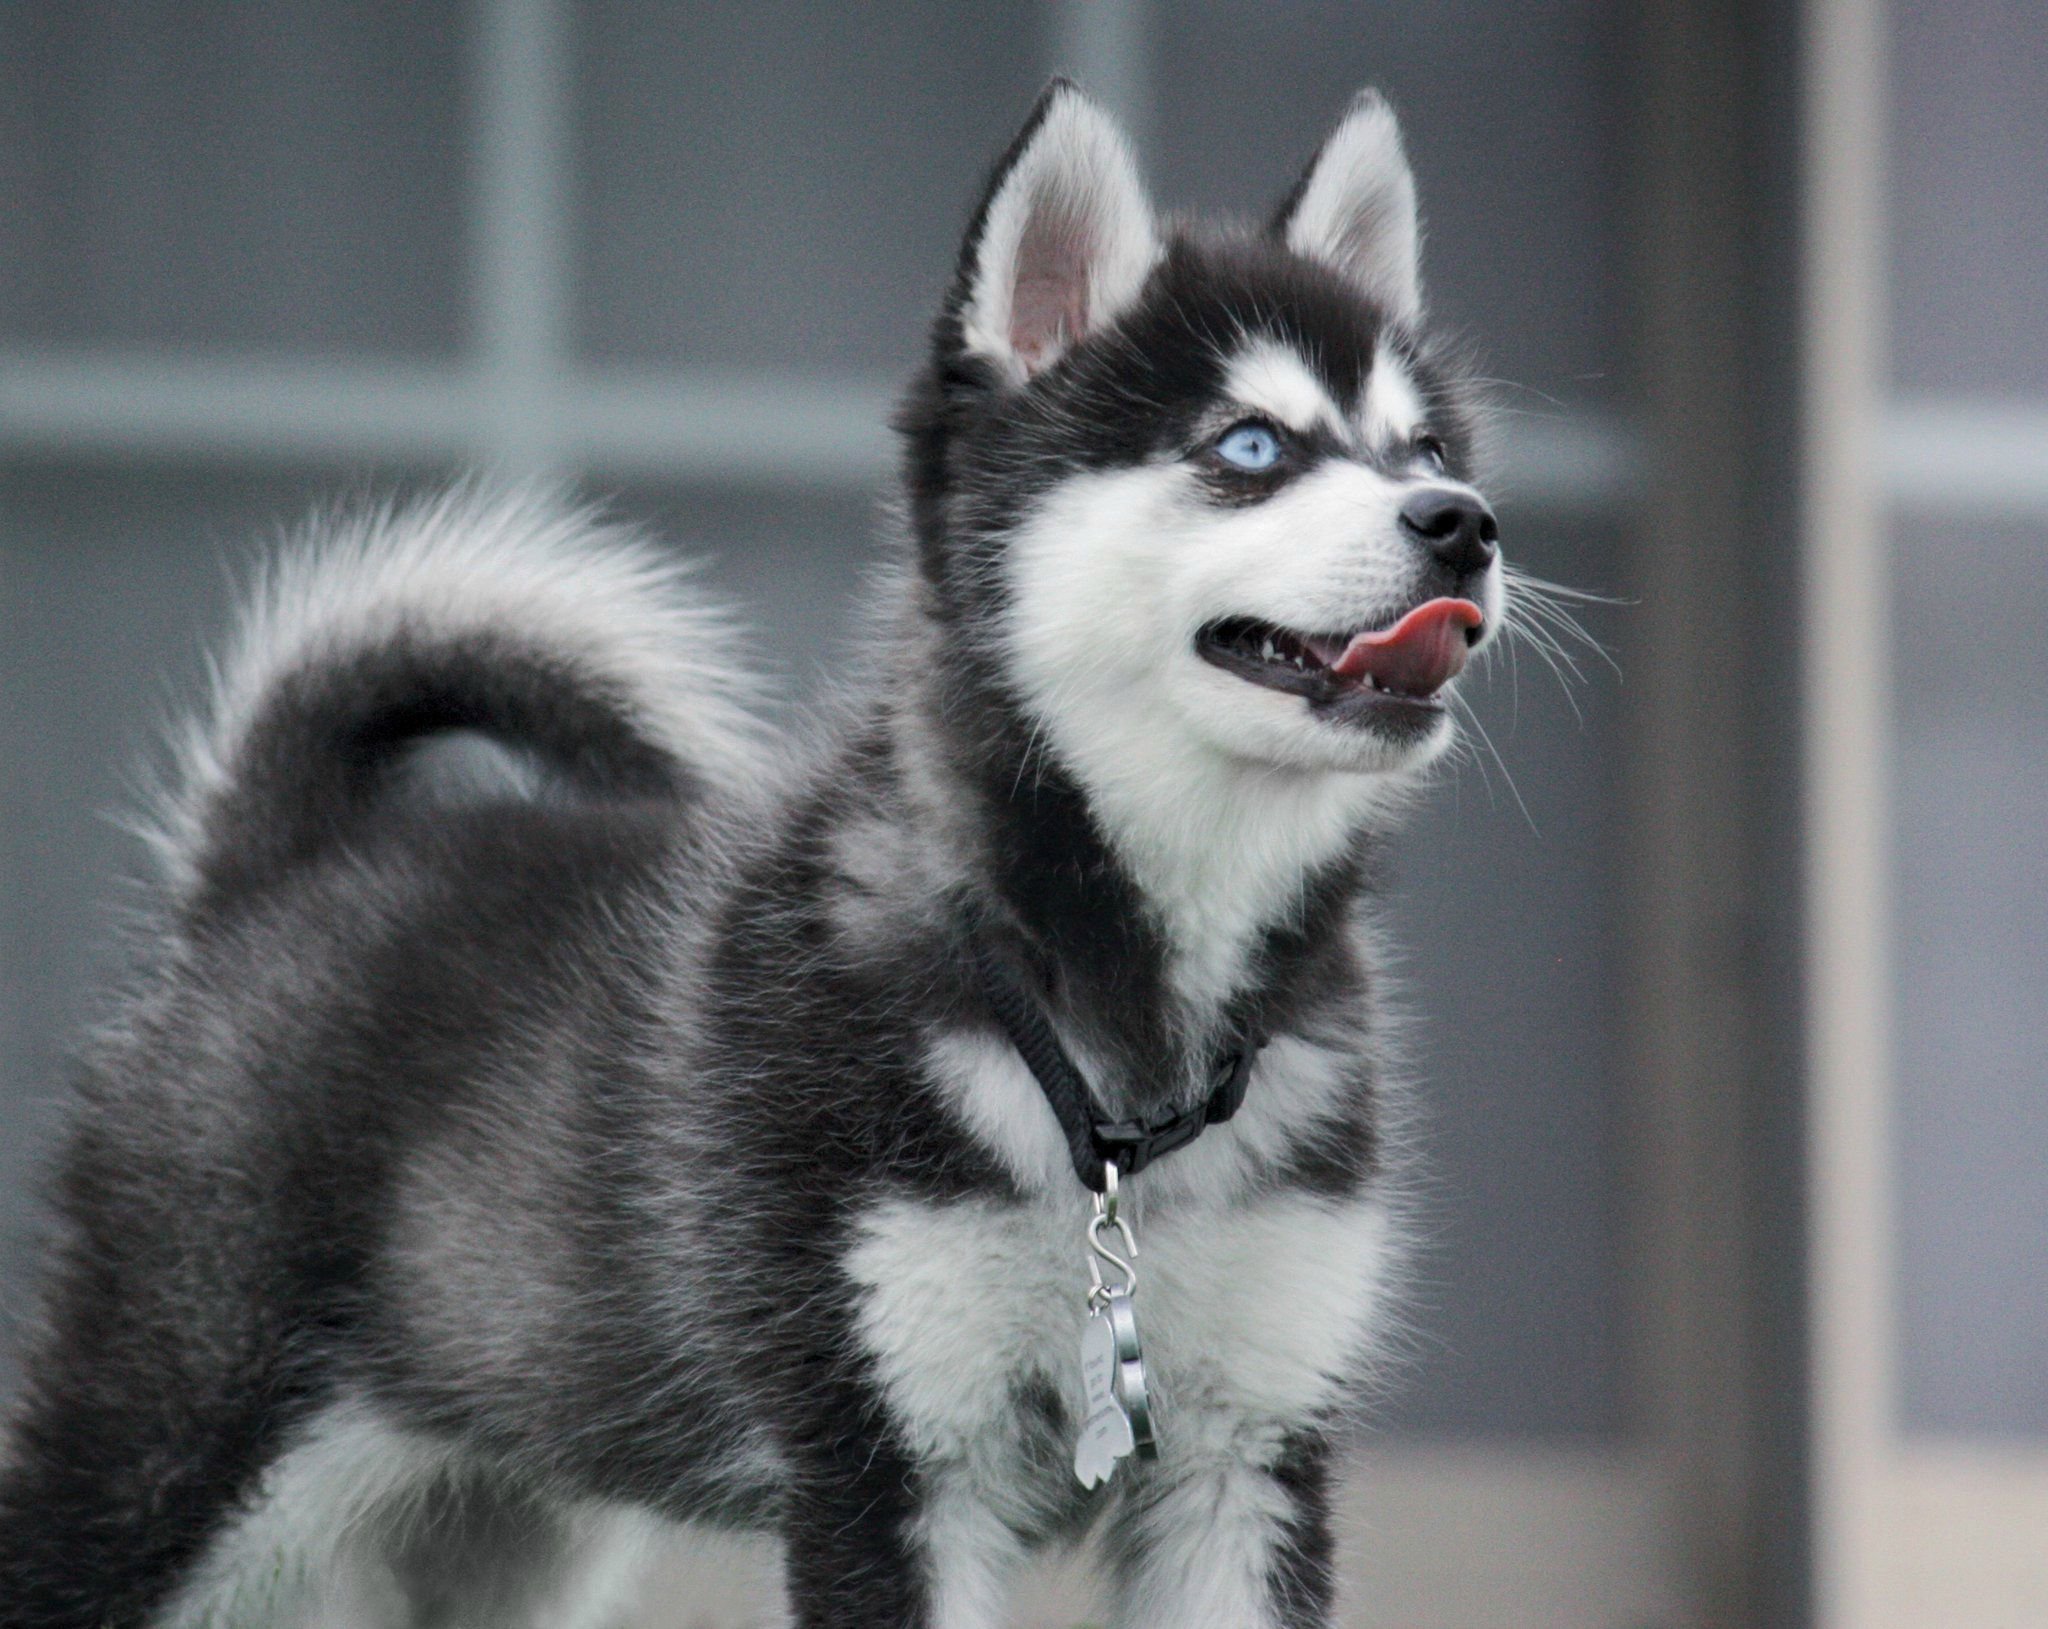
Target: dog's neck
x,y
1224,854
1171,892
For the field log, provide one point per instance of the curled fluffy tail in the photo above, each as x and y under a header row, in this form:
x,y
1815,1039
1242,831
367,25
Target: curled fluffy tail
x,y
511,616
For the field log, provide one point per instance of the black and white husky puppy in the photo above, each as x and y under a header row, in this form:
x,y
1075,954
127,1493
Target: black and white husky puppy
x,y
516,1150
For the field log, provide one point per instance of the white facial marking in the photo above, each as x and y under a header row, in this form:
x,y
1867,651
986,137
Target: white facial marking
x,y
1269,379
1393,406
1220,795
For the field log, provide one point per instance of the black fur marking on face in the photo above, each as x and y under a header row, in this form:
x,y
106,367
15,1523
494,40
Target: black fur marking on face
x,y
1143,388
979,454
1229,486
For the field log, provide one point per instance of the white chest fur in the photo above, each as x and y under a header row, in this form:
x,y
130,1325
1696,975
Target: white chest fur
x,y
1254,1314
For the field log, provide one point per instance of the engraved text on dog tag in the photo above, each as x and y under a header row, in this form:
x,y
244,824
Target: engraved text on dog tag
x,y
1106,1430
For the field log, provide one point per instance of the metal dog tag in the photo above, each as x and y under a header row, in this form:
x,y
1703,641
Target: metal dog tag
x,y
1106,1435
1118,1422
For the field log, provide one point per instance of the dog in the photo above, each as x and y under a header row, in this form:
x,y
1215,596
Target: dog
x,y
553,1111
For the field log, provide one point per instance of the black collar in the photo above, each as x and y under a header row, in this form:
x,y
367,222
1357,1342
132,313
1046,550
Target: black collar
x,y
1092,1141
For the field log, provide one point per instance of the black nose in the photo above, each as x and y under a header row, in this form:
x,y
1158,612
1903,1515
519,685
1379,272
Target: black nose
x,y
1453,525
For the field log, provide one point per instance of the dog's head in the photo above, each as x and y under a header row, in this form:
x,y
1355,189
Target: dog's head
x,y
1204,487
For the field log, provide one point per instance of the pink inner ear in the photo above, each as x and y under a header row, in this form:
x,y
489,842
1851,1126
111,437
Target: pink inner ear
x,y
1049,303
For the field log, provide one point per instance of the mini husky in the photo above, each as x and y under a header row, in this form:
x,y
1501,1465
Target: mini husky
x,y
544,1121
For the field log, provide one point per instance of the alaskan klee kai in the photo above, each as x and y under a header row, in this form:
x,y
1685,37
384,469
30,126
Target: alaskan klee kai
x,y
551,1112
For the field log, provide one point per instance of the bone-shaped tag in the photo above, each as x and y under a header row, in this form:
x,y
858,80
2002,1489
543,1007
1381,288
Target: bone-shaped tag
x,y
1106,1431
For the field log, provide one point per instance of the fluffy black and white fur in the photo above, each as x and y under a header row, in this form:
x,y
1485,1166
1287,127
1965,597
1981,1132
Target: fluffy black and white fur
x,y
546,1121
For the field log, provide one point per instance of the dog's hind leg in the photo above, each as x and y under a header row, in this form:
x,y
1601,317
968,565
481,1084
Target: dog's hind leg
x,y
176,1358
480,1552
866,1544
123,1467
362,1525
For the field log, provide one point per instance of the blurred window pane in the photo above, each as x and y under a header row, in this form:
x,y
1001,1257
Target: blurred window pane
x,y
783,185
1969,196
276,177
1971,959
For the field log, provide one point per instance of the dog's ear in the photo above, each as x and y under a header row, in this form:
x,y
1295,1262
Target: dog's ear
x,y
1354,209
1062,243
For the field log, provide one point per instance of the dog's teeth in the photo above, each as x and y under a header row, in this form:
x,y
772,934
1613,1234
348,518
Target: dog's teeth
x,y
1266,650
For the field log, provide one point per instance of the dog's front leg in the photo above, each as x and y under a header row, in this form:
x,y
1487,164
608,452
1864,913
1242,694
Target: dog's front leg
x,y
1225,1542
852,1540
863,1553
876,1538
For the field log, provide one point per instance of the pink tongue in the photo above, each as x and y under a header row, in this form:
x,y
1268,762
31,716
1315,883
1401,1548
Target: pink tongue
x,y
1420,654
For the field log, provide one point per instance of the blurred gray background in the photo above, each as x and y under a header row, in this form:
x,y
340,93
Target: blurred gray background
x,y
254,256
1969,279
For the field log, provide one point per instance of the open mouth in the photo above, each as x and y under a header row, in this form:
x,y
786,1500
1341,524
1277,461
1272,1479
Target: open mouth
x,y
1387,672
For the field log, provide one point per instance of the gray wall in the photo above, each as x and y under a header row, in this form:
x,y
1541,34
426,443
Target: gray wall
x,y
247,178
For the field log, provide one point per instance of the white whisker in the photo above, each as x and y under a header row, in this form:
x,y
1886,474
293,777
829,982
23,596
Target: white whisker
x,y
1471,717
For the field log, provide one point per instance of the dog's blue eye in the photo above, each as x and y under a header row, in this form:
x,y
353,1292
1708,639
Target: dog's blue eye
x,y
1251,447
